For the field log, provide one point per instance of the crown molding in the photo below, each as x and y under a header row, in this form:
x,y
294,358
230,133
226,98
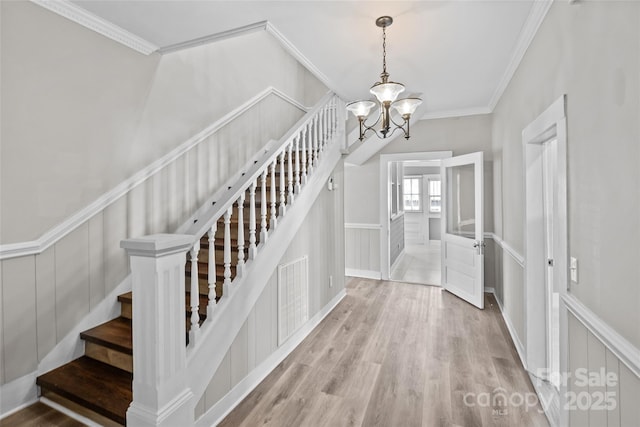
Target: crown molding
x,y
88,20
293,51
537,14
234,32
461,112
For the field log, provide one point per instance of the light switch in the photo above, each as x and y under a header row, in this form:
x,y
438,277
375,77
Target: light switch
x,y
573,269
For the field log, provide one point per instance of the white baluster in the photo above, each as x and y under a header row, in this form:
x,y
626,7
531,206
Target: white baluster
x,y
316,143
264,234
283,200
240,265
195,294
323,129
334,116
312,139
212,269
252,220
297,151
274,217
290,173
227,252
304,155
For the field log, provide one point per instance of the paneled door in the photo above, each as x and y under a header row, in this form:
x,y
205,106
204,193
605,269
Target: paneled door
x,y
462,227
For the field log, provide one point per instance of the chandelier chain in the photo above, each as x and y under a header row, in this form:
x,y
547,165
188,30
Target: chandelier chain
x,y
384,50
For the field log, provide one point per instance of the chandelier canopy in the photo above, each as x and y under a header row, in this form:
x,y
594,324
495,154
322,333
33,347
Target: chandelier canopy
x,y
386,92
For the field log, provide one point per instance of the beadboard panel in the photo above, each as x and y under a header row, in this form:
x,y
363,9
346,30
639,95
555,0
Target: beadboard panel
x,y
326,259
96,258
597,361
362,246
513,294
578,357
116,263
613,365
239,353
46,301
72,279
587,351
20,351
628,402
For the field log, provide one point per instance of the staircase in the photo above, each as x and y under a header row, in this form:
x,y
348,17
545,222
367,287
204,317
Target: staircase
x,y
98,385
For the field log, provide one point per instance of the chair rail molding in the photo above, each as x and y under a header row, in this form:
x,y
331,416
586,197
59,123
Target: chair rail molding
x,y
517,257
15,250
626,352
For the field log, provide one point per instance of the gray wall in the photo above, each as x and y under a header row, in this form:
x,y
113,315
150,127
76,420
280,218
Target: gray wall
x,y
81,113
600,73
258,338
591,52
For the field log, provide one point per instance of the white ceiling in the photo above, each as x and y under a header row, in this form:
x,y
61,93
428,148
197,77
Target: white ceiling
x,y
458,55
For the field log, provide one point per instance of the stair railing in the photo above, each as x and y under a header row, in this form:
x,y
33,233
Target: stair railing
x,y
288,166
161,395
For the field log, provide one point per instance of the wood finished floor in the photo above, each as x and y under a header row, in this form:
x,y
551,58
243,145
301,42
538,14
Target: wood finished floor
x,y
39,415
395,354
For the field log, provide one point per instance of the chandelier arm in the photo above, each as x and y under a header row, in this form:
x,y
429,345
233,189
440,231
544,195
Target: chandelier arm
x,y
398,125
394,131
367,127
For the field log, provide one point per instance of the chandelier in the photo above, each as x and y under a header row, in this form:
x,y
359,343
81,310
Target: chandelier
x,y
386,92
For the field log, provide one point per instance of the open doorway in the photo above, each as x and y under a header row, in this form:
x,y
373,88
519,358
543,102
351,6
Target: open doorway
x,y
400,245
421,201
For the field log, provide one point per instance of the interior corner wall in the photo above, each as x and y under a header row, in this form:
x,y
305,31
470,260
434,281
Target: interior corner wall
x,y
591,52
80,114
258,338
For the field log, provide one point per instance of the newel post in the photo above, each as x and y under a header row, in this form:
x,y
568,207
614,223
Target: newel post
x,y
161,396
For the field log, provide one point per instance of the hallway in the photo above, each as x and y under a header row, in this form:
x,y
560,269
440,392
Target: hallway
x,y
396,354
419,264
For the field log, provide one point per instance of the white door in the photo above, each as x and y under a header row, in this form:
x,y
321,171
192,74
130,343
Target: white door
x,y
462,227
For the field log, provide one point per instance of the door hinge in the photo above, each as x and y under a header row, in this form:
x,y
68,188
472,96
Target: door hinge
x,y
550,262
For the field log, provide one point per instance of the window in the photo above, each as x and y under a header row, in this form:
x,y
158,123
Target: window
x,y
412,194
435,196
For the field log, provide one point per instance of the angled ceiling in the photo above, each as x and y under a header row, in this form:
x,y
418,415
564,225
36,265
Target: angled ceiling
x,y
457,55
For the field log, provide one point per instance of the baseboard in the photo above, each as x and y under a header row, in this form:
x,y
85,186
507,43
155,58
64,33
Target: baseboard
x,y
225,405
512,332
366,274
18,394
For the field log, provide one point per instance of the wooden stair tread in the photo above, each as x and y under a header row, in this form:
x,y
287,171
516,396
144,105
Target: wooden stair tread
x,y
95,385
115,334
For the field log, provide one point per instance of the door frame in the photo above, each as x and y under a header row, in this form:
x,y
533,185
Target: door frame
x,y
385,216
550,126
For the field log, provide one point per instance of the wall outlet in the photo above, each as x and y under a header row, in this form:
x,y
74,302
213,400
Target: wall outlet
x,y
573,269
331,281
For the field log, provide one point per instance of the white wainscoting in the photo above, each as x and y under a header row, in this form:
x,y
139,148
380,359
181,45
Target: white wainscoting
x,y
362,250
592,345
66,279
